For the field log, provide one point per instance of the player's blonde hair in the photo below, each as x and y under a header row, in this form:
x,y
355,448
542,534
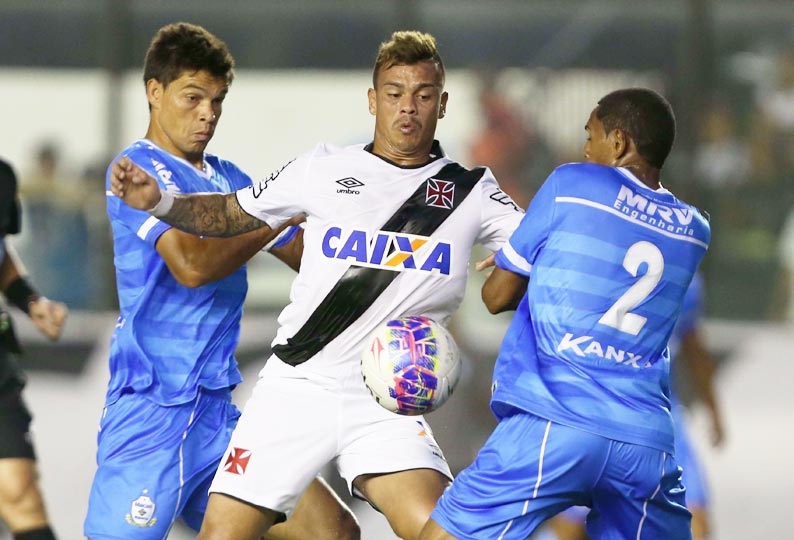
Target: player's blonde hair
x,y
406,48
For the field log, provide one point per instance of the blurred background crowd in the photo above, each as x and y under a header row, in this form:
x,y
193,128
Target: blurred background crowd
x,y
523,76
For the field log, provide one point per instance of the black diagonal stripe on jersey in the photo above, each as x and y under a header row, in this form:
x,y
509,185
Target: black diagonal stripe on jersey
x,y
360,286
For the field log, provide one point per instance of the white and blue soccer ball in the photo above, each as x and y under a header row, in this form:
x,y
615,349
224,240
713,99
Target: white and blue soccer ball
x,y
411,365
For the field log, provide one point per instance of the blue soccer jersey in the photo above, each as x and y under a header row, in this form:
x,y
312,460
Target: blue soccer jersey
x,y
169,345
609,262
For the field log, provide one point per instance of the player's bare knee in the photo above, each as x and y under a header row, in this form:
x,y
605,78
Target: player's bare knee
x,y
23,509
20,498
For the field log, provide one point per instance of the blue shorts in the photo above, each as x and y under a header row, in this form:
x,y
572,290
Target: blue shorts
x,y
155,464
693,476
531,469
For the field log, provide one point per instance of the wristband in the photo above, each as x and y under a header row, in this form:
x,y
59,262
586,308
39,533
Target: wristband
x,y
21,293
164,205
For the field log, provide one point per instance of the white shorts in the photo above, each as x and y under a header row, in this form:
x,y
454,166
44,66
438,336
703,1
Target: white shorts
x,y
293,426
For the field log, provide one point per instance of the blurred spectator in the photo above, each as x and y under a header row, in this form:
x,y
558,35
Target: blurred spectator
x,y
510,146
520,160
723,158
773,126
748,190
783,301
58,244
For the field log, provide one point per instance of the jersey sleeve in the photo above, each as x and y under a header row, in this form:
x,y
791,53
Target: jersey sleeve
x,y
280,196
500,214
147,227
519,253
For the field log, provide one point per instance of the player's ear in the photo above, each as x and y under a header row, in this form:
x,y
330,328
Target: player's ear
x,y
442,110
373,103
154,92
620,143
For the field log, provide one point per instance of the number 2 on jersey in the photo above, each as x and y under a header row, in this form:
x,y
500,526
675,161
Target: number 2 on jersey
x,y
619,316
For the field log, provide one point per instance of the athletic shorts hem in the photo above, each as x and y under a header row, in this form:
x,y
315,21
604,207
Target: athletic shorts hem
x,y
357,494
253,499
103,537
450,528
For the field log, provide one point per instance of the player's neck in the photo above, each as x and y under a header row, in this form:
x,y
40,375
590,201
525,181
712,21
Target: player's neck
x,y
645,173
415,158
195,159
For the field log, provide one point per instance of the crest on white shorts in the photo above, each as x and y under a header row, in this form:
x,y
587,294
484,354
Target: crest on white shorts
x,y
237,461
142,511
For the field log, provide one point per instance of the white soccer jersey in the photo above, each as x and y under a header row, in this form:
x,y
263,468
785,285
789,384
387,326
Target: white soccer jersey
x,y
348,195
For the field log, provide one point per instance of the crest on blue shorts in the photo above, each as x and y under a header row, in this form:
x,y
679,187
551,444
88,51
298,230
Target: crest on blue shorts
x,y
142,511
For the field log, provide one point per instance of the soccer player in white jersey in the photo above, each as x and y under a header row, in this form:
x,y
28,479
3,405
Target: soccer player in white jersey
x,y
168,413
389,231
597,273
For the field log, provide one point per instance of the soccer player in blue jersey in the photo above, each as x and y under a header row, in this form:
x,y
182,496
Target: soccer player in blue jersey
x,y
687,351
597,272
168,414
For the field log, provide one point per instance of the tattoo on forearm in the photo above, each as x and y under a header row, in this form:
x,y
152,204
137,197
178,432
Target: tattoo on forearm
x,y
211,214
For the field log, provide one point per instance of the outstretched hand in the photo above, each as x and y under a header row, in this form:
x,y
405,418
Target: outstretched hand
x,y
133,185
486,263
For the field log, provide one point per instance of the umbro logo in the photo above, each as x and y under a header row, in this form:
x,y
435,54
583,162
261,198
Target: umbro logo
x,y
348,185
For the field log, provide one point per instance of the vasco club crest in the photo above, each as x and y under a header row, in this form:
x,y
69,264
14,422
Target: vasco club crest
x,y
440,193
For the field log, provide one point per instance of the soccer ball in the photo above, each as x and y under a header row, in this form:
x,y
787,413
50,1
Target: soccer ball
x,y
410,365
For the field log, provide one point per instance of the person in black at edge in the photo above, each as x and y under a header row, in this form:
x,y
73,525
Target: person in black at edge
x,y
21,502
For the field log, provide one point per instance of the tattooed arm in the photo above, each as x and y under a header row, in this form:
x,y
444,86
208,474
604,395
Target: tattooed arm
x,y
206,214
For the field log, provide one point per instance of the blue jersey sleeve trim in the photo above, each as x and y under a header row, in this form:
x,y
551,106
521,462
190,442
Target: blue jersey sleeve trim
x,y
508,259
285,237
152,229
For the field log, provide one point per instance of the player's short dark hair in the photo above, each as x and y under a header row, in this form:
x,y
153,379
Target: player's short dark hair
x,y
645,116
406,48
181,47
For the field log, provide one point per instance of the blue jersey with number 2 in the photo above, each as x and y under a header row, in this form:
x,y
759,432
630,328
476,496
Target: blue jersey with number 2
x,y
609,262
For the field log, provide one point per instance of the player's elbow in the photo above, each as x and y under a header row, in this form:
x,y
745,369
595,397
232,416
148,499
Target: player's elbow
x,y
494,305
189,272
191,279
193,266
493,299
